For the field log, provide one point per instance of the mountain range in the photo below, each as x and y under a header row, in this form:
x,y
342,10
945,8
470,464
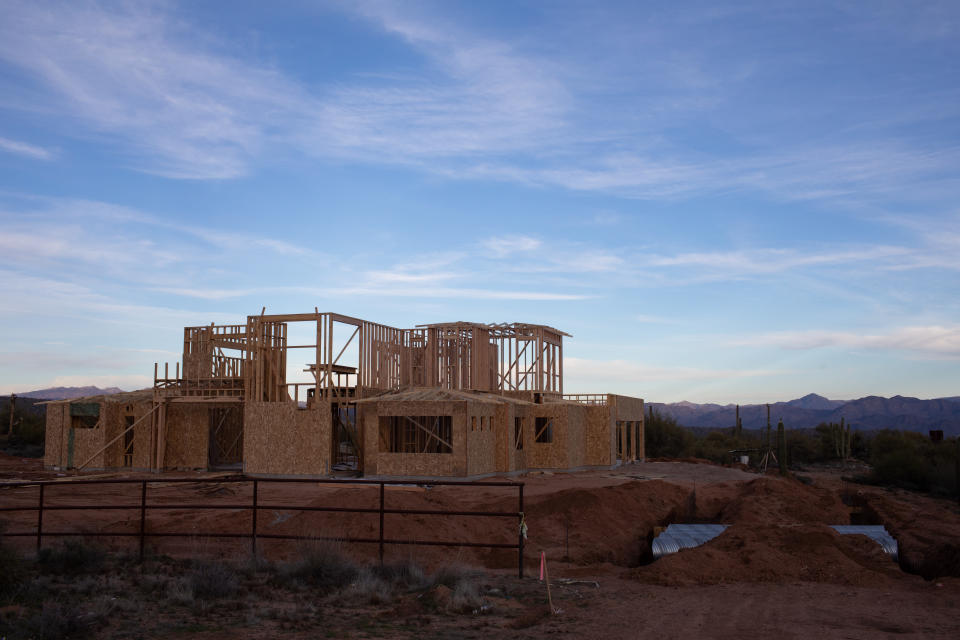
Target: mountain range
x,y
68,393
865,414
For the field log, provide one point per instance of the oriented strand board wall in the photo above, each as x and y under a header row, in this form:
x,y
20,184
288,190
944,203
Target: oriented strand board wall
x,y
382,463
576,435
600,436
187,436
86,443
555,454
281,439
626,408
55,437
481,456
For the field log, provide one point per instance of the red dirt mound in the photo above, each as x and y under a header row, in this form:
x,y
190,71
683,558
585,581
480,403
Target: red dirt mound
x,y
772,500
770,553
927,530
605,524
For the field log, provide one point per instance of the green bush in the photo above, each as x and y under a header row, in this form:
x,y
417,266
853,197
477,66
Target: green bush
x,y
912,461
664,438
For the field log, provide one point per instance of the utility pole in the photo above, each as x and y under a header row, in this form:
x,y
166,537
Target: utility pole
x,y
13,404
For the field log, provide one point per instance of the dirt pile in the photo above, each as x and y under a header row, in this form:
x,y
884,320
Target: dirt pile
x,y
605,524
927,530
774,500
772,553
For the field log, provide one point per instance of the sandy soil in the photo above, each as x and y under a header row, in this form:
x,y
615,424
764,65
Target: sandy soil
x,y
777,569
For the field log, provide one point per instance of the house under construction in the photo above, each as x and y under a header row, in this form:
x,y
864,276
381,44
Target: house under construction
x,y
440,400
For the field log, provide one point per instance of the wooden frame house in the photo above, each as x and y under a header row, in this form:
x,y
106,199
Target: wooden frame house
x,y
454,399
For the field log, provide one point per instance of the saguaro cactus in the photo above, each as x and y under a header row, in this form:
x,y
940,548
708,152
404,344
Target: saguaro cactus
x,y
782,447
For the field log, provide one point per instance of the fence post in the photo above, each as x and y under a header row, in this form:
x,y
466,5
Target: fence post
x,y
381,524
253,536
40,519
520,536
143,515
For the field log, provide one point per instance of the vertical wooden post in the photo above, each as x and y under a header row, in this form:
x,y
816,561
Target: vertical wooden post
x,y
381,524
253,536
40,519
143,515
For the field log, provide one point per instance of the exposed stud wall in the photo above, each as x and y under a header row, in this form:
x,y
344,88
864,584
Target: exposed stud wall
x,y
628,409
377,462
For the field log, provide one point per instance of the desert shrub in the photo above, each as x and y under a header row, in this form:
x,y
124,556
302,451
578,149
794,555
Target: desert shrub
x,y
56,620
406,574
910,460
28,433
368,587
211,580
12,570
804,447
74,556
664,438
322,565
466,597
717,445
451,575
180,592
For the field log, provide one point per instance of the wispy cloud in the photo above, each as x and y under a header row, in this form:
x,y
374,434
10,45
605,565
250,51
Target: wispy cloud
x,y
185,110
26,149
932,341
502,246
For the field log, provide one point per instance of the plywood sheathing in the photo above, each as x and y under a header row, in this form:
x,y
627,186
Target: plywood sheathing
x,y
54,452
281,439
600,436
568,442
187,435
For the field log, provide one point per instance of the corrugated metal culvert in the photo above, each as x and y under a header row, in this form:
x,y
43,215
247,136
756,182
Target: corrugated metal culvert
x,y
878,533
688,536
685,536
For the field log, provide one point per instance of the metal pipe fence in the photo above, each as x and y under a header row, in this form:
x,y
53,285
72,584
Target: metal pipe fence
x,y
255,506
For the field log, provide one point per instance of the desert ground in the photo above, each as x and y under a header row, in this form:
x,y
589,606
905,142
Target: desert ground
x,y
778,569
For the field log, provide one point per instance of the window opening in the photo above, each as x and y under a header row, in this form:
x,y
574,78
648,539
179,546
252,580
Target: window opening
x,y
416,434
543,433
128,441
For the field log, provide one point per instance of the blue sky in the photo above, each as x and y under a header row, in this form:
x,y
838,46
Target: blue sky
x,y
733,202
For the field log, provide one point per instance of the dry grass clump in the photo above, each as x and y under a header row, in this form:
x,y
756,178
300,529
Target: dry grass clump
x,y
75,556
323,565
210,580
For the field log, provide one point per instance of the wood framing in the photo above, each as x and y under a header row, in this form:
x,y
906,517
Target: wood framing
x,y
437,400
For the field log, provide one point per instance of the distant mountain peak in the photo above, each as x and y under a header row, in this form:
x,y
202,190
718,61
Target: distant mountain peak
x,y
69,393
815,402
